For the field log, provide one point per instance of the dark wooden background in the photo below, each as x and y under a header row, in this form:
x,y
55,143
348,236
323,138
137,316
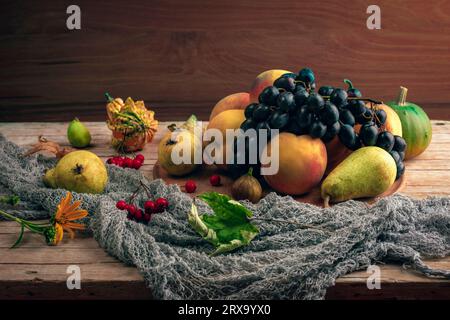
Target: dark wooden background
x,y
182,56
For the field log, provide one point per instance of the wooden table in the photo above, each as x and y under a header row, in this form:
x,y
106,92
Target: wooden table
x,y
35,271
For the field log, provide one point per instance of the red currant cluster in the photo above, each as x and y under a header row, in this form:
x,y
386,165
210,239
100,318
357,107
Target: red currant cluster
x,y
143,216
126,162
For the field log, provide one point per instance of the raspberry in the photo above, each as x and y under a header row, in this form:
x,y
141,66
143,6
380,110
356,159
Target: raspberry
x,y
121,205
214,180
161,204
190,186
109,161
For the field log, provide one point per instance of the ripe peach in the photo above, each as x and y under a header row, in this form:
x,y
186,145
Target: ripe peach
x,y
393,123
229,119
234,101
264,80
302,161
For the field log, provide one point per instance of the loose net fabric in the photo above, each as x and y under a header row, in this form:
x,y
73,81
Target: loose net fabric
x,y
285,261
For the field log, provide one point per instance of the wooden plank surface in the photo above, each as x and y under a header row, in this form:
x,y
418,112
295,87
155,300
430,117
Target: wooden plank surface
x,y
183,56
35,271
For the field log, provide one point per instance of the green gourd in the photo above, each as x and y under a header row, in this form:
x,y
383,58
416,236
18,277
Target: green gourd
x,y
416,125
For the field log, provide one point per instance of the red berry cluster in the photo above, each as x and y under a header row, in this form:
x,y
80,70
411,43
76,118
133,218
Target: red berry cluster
x,y
143,216
126,162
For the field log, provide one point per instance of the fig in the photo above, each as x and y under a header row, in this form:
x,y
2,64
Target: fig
x,y
247,187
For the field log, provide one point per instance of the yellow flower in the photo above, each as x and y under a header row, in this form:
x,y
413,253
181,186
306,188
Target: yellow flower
x,y
62,220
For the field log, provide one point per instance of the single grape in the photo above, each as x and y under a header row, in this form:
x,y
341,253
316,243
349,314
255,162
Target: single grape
x,y
262,126
400,144
290,75
347,117
356,107
326,91
365,117
304,118
286,102
339,97
269,95
327,137
317,129
380,117
278,120
357,144
395,156
332,131
306,75
334,128
354,93
369,134
249,110
401,154
248,124
329,114
386,141
315,102
400,170
286,83
294,128
347,136
300,96
261,113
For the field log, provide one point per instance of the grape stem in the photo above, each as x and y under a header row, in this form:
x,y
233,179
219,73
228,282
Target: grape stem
x,y
349,83
362,99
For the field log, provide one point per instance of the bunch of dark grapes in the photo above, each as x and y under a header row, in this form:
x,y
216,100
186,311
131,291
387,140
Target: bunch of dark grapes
x,y
292,105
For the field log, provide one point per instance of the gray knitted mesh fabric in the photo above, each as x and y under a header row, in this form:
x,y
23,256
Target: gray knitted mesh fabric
x,y
283,262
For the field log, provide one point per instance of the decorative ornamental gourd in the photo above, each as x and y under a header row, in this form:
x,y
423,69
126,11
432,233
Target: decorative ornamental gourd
x,y
416,126
132,125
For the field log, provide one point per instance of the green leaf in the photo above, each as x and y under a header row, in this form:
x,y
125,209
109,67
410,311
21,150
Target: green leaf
x,y
19,239
228,228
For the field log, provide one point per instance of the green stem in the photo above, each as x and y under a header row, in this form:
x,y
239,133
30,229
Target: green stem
x,y
349,83
11,217
402,96
108,97
250,171
29,225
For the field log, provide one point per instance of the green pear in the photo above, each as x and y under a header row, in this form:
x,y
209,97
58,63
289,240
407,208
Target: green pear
x,y
366,172
78,134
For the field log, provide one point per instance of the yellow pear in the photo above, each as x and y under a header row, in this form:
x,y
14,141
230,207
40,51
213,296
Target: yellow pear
x,y
366,172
